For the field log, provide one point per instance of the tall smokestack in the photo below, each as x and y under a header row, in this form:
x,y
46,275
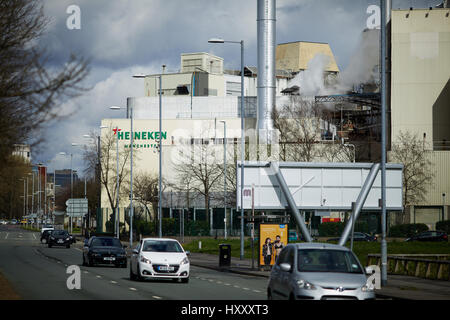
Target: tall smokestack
x,y
266,24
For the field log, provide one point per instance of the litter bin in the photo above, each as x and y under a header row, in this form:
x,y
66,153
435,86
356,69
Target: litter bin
x,y
224,255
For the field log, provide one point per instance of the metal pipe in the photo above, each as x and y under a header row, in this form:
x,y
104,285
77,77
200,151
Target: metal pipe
x,y
383,143
266,32
285,189
160,159
360,202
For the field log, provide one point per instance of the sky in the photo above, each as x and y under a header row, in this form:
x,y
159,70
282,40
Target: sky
x,y
125,37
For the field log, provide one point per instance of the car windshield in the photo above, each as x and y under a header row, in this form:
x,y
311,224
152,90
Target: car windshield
x,y
106,242
161,246
59,233
320,260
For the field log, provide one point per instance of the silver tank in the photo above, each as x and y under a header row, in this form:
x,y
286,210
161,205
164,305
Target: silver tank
x,y
266,24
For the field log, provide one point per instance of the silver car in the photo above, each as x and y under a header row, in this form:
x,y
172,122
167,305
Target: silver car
x,y
318,271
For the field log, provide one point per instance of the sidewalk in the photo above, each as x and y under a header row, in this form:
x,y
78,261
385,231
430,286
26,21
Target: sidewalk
x,y
398,287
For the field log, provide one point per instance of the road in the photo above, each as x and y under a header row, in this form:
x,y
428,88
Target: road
x,y
38,272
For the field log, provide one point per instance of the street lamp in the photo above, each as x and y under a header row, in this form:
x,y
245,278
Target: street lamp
x,y
159,150
218,40
225,175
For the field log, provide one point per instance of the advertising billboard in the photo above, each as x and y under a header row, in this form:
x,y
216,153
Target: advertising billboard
x,y
272,238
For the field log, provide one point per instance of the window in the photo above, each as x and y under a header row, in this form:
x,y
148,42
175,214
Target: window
x,y
106,242
322,260
161,246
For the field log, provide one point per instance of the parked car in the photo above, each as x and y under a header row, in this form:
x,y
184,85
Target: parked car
x,y
358,236
47,227
45,235
104,250
318,271
13,221
3,222
59,238
159,258
429,236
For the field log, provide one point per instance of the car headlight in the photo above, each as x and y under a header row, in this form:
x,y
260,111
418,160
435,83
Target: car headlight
x,y
302,284
145,260
184,261
67,239
366,288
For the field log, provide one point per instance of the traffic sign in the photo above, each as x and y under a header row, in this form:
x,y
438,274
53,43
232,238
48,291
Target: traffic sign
x,y
77,207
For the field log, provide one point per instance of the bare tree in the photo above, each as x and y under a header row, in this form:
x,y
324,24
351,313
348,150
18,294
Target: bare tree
x,y
30,92
299,124
199,163
108,166
408,149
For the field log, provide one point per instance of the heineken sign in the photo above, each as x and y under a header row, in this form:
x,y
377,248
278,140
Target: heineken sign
x,y
140,138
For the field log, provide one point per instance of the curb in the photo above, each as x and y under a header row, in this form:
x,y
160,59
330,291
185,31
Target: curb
x,y
248,273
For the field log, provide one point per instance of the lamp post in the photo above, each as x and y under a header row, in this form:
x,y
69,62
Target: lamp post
x,y
216,40
71,181
225,175
159,150
23,195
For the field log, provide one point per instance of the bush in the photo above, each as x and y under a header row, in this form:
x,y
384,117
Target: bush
x,y
407,230
443,226
331,229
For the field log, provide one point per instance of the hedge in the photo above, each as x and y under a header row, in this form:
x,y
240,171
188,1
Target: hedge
x,y
443,226
407,230
331,229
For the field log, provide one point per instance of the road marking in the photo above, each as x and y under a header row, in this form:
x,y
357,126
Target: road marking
x,y
237,287
99,277
112,281
246,288
86,271
257,291
6,236
133,289
34,236
227,284
156,297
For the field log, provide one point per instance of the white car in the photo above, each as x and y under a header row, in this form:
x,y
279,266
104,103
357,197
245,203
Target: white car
x,y
47,227
159,258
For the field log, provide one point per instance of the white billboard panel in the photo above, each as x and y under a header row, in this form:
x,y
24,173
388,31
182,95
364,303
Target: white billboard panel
x,y
318,186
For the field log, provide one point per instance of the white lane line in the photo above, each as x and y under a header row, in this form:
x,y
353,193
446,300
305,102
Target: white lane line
x,y
156,297
227,284
34,236
112,281
85,271
237,287
133,289
99,277
257,291
6,235
246,288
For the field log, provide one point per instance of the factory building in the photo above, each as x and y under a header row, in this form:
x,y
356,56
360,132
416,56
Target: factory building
x,y
420,99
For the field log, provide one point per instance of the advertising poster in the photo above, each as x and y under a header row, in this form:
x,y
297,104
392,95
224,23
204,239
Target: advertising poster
x,y
272,238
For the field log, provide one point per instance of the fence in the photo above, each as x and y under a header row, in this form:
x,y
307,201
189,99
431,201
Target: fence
x,y
428,266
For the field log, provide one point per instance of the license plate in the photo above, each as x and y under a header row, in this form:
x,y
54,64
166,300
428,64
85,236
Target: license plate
x,y
165,268
109,258
60,241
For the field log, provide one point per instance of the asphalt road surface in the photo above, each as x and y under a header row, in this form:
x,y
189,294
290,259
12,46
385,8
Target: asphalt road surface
x,y
38,272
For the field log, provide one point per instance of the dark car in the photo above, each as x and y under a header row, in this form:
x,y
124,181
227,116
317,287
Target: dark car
x,y
104,250
45,235
429,236
59,238
358,236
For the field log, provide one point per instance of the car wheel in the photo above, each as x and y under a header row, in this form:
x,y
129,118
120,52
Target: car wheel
x,y
90,262
132,276
138,276
44,241
185,280
269,295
